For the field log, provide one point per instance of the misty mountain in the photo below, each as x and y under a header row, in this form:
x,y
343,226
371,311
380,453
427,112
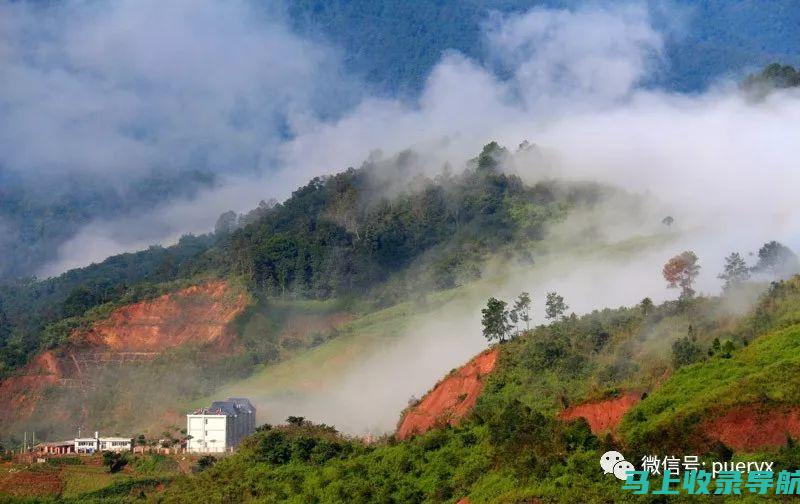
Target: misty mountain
x,y
372,233
36,219
114,109
96,132
535,421
288,201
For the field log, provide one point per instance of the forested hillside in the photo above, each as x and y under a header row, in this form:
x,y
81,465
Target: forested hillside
x,y
341,247
676,369
517,446
513,447
298,205
344,235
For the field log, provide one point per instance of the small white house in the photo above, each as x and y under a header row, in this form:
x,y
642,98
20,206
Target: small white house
x,y
97,444
221,426
115,444
85,445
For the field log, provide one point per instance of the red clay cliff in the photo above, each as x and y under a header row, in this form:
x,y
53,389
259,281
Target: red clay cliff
x,y
450,399
200,314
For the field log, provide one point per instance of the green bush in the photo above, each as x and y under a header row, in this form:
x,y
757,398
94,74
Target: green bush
x,y
114,461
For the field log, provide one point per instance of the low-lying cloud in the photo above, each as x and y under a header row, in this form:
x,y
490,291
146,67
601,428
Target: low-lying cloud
x,y
129,87
571,81
720,163
122,86
112,93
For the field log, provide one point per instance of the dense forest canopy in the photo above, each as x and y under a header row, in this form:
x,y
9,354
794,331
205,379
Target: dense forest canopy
x,y
338,236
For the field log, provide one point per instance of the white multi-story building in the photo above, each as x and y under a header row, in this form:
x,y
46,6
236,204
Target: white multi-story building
x,y
221,426
98,444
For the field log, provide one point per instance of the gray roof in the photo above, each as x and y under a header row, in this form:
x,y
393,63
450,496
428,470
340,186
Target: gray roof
x,y
243,403
56,443
230,407
216,408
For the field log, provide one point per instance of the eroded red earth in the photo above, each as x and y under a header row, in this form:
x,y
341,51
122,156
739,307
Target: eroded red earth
x,y
753,427
603,416
15,392
200,314
451,398
742,428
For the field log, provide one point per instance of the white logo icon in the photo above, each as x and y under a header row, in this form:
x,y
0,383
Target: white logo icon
x,y
613,462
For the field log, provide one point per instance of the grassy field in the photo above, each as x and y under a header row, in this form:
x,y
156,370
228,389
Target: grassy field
x,y
765,372
84,479
310,369
308,382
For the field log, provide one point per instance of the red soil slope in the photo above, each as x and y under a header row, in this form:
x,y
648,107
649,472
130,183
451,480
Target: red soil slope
x,y
451,399
201,314
754,426
602,416
15,392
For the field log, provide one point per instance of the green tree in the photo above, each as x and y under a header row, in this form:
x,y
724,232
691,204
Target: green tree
x,y
646,305
226,222
735,272
782,76
522,306
772,76
78,301
727,349
491,156
495,320
5,326
114,461
554,305
685,351
513,317
297,421
777,260
716,346
205,462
